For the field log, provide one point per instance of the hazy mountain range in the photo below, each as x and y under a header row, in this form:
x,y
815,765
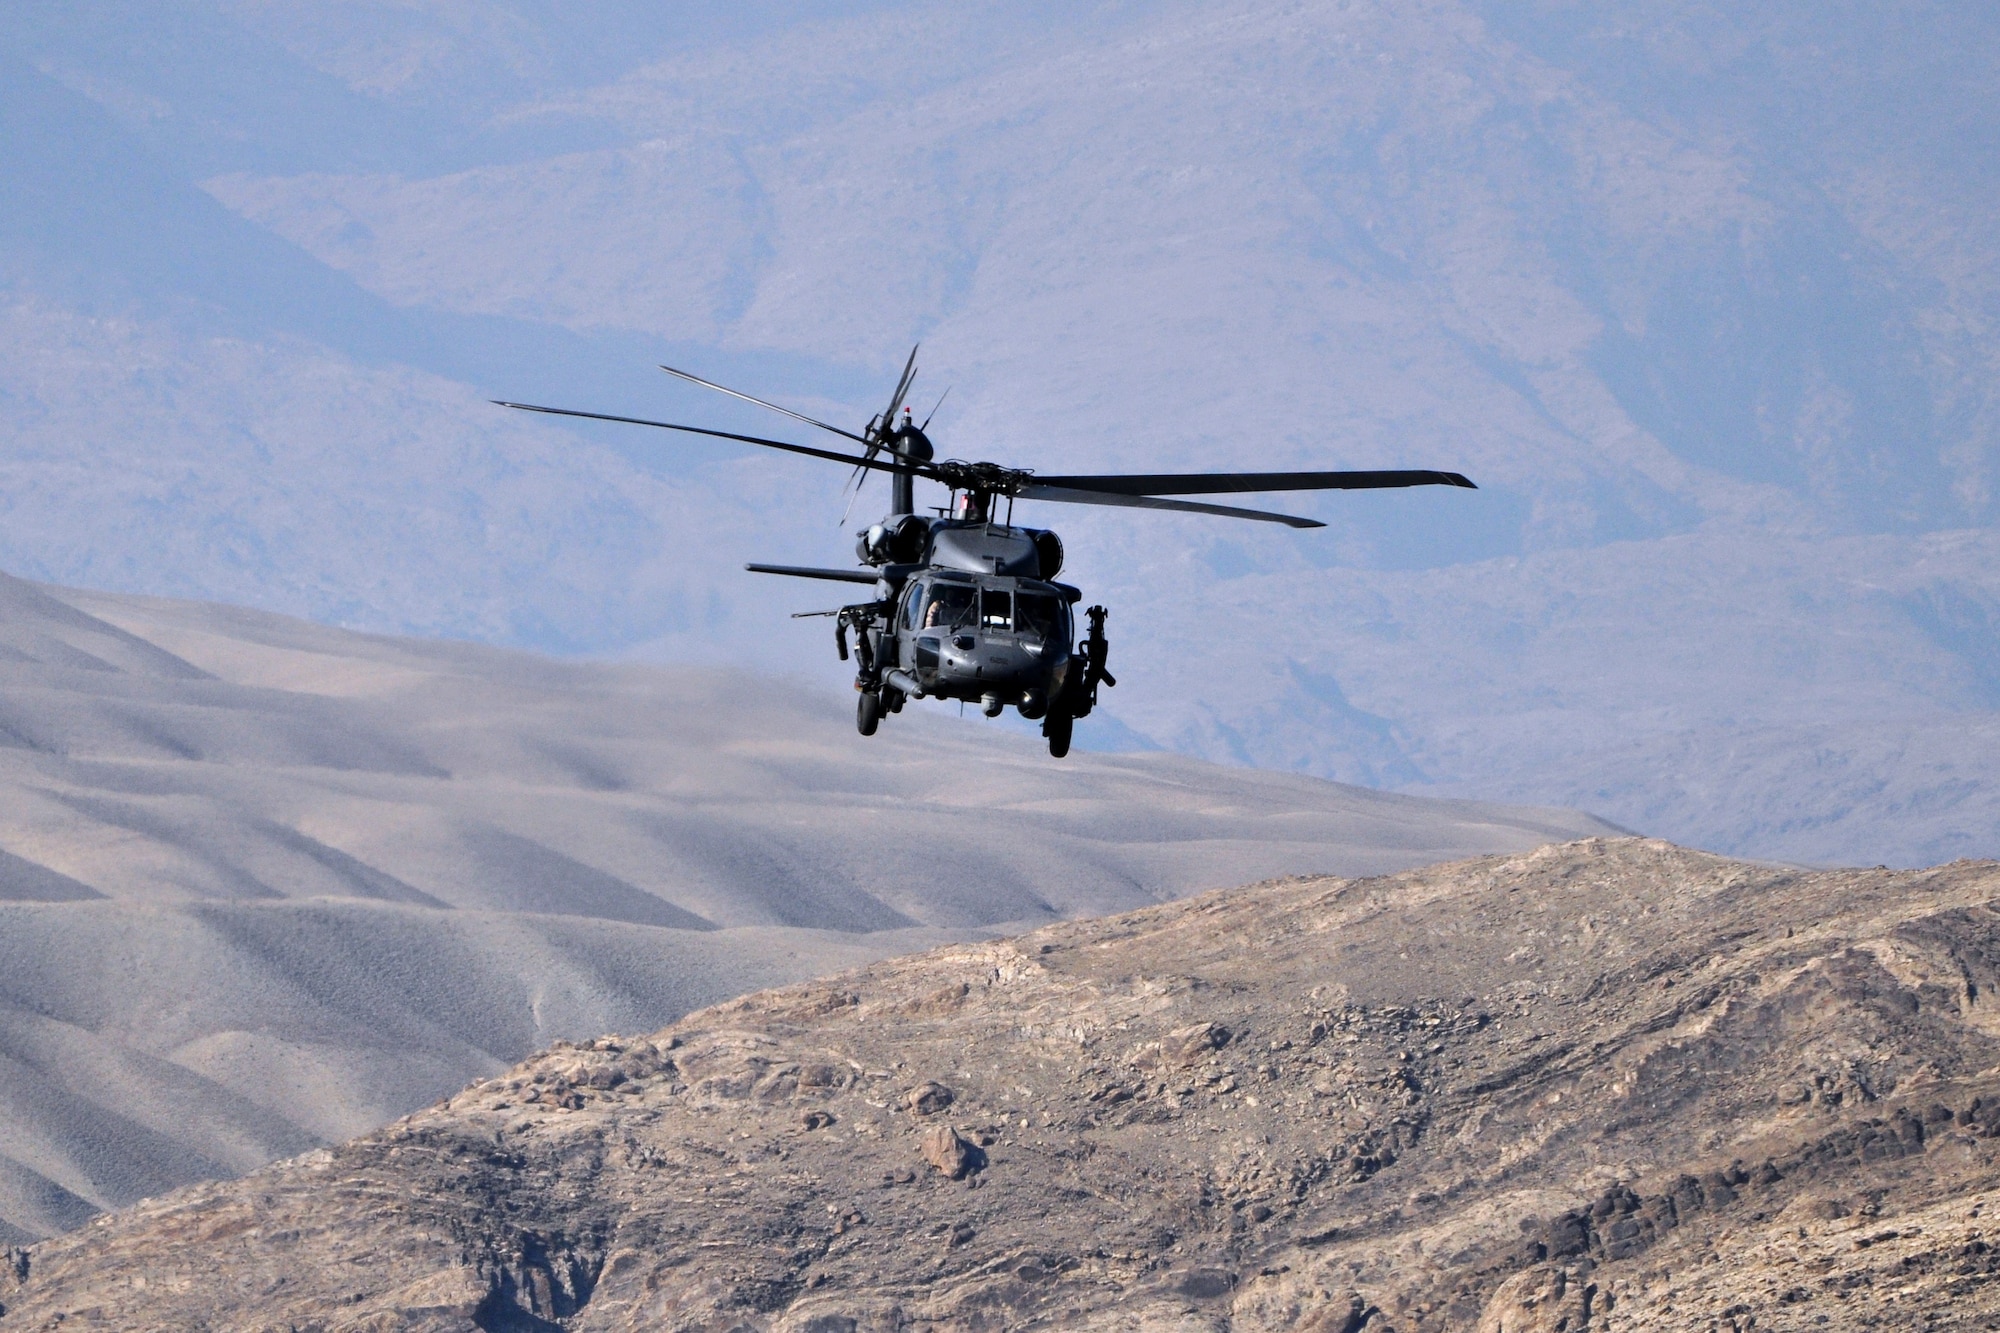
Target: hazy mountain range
x,y
1703,298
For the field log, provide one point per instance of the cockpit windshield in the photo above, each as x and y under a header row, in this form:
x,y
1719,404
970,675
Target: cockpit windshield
x,y
996,609
1039,615
950,606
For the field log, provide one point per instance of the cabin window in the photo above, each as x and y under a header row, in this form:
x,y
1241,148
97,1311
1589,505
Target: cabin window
x,y
996,609
1040,614
950,606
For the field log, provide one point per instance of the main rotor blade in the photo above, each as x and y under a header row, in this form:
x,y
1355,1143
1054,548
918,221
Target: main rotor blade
x,y
852,488
1218,483
1065,495
832,575
902,391
807,450
735,393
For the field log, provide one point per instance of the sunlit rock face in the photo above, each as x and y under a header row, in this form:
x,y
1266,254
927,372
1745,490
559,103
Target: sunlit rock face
x,y
1601,1085
1704,300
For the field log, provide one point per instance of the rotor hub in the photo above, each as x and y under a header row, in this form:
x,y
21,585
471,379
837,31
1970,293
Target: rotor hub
x,y
986,478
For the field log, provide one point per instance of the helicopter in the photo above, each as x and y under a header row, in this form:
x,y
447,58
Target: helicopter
x,y
965,605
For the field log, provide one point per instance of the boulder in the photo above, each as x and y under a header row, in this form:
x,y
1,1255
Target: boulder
x,y
929,1099
952,1156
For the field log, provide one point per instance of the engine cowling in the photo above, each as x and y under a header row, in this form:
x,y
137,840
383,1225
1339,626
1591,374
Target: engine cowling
x,y
894,541
1049,550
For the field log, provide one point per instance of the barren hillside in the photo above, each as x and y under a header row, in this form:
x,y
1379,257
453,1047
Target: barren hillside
x,y
1605,1085
265,885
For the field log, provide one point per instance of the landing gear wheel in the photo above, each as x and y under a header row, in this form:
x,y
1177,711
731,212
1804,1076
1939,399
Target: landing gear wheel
x,y
868,712
1057,728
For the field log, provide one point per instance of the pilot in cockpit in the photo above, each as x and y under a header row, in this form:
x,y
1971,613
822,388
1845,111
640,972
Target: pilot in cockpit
x,y
950,606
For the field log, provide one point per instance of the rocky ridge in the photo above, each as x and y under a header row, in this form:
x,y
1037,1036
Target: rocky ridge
x,y
1607,1085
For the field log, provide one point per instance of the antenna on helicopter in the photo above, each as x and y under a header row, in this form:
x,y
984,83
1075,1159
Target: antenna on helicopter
x,y
940,403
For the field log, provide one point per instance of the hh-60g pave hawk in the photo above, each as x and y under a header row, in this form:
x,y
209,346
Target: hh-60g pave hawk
x,y
967,606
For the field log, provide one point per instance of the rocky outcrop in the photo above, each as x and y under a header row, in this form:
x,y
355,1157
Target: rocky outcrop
x,y
1613,1085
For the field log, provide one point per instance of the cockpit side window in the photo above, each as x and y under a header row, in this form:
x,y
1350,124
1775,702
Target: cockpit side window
x,y
1041,615
950,606
996,609
913,605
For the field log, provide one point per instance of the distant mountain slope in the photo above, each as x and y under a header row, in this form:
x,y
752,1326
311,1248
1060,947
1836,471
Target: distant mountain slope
x,y
1613,1085
1706,299
265,883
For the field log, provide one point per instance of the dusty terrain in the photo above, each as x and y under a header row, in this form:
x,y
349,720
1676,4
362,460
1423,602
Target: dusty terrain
x,y
1605,1085
265,885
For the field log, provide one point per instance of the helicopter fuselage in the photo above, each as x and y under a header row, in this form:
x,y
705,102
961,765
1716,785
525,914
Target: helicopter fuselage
x,y
979,617
984,638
